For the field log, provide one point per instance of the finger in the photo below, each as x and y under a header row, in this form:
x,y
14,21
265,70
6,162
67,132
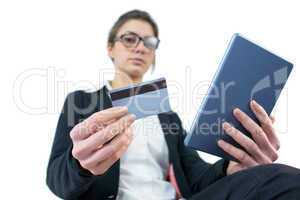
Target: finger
x,y
96,122
249,145
86,129
107,115
102,166
266,123
238,154
257,133
107,151
272,119
98,139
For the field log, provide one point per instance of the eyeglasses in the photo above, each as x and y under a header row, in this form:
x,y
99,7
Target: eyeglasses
x,y
132,40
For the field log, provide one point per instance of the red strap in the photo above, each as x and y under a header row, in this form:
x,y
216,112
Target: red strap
x,y
171,178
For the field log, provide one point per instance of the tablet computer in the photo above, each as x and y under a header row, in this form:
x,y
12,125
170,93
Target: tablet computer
x,y
247,71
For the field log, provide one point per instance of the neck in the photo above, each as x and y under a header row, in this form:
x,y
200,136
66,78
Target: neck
x,y
121,80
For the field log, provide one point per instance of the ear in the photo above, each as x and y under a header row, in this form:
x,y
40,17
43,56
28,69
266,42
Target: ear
x,y
154,60
110,50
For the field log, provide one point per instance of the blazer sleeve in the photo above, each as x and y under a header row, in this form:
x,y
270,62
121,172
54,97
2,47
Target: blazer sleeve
x,y
199,173
65,177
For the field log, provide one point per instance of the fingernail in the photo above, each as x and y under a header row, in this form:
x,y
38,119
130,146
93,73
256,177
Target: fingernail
x,y
133,116
226,125
124,108
128,141
236,111
220,142
120,108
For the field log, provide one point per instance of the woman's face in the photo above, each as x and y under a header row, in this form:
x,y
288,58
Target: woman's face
x,y
133,61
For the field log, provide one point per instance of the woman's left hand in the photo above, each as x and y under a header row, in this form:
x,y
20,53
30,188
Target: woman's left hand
x,y
262,149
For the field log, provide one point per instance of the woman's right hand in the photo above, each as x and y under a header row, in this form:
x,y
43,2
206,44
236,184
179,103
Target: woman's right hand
x,y
91,139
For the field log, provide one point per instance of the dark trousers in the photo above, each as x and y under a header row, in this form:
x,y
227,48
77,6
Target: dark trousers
x,y
274,181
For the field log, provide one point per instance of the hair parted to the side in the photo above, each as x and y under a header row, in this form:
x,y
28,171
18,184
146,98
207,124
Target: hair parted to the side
x,y
132,15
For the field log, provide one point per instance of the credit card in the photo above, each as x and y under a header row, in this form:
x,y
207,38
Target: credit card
x,y
143,99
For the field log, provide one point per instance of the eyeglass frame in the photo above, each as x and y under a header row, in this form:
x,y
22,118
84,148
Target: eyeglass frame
x,y
119,38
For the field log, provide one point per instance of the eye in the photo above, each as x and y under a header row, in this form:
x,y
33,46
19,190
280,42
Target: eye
x,y
151,42
130,39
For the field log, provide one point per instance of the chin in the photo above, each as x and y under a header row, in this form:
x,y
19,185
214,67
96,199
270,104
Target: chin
x,y
136,71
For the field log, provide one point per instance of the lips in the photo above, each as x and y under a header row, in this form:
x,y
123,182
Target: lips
x,y
137,60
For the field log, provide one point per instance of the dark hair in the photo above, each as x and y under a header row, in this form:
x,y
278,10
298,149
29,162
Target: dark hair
x,y
133,14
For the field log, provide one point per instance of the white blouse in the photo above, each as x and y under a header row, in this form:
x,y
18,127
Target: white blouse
x,y
143,167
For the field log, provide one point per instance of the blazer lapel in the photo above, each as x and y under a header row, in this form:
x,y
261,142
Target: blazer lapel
x,y
170,129
170,135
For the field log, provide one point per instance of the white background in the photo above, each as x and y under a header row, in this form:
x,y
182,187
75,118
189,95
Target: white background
x,y
50,48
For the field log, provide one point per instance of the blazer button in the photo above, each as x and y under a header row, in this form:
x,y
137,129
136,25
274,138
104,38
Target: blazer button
x,y
111,197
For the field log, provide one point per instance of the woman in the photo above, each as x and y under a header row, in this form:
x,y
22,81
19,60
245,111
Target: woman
x,y
98,153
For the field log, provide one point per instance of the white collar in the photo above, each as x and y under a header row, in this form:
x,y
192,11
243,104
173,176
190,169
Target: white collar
x,y
107,83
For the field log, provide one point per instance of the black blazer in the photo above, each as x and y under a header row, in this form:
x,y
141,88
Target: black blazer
x,y
68,180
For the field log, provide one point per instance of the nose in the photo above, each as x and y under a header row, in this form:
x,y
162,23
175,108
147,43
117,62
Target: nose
x,y
140,48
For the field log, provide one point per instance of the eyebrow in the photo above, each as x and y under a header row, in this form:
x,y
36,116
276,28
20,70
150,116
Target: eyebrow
x,y
131,32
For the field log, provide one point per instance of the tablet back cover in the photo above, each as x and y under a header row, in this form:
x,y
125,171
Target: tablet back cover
x,y
247,71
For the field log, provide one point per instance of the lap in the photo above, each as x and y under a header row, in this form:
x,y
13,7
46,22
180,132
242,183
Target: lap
x,y
261,182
